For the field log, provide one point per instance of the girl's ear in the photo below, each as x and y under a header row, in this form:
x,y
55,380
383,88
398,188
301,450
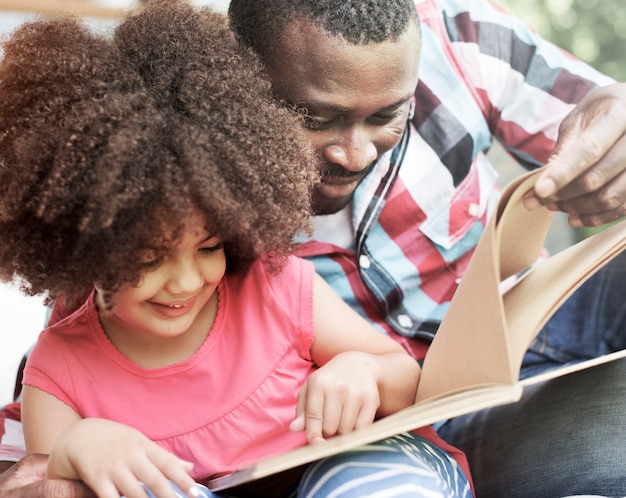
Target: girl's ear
x,y
103,299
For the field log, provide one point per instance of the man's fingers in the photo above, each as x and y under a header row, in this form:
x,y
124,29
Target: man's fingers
x,y
575,155
596,220
25,479
51,488
30,469
585,137
597,208
602,184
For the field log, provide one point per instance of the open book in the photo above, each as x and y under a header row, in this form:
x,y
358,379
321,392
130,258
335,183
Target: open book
x,y
475,359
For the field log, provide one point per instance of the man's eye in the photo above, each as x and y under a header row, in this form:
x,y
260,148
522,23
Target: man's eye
x,y
386,118
316,122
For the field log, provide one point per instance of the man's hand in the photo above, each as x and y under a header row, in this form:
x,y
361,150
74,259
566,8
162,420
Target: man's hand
x,y
25,479
586,175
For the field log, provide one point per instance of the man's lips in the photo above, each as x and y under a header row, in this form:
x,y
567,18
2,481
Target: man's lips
x,y
332,174
340,180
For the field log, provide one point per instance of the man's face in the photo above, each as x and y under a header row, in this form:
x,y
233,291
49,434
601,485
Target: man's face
x,y
357,100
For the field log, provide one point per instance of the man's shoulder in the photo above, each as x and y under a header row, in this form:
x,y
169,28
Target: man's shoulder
x,y
428,9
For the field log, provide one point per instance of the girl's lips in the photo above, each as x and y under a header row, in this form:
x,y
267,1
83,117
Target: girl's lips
x,y
173,310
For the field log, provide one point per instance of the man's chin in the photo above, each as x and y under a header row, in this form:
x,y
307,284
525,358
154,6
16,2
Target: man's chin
x,y
324,206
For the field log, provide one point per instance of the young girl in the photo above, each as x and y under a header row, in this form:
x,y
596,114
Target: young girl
x,y
154,172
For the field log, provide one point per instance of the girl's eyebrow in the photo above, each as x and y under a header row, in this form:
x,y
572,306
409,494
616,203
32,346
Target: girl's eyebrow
x,y
210,235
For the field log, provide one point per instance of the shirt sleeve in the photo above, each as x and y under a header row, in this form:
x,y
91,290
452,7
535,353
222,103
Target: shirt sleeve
x,y
12,446
293,290
47,369
524,84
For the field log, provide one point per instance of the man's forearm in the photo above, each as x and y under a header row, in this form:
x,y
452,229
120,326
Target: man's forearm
x,y
4,465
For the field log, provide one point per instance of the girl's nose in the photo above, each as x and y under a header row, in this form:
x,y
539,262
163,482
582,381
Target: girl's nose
x,y
184,278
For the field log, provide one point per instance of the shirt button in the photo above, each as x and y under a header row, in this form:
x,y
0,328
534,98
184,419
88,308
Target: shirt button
x,y
364,262
405,321
473,209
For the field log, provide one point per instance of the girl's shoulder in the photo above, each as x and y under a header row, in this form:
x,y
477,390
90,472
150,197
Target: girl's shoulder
x,y
293,274
285,296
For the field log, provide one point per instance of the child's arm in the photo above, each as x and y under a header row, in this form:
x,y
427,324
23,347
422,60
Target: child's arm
x,y
111,458
363,373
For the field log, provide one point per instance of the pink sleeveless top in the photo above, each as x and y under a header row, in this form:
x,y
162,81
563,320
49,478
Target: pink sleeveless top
x,y
227,406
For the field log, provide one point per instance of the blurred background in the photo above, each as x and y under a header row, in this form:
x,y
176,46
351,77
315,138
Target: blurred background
x,y
592,30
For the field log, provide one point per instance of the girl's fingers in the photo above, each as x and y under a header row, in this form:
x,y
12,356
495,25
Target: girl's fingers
x,y
165,467
314,416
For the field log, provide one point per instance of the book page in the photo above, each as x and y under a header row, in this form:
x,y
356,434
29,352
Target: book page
x,y
472,346
413,417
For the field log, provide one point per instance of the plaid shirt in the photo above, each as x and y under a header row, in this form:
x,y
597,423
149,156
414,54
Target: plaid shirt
x,y
397,253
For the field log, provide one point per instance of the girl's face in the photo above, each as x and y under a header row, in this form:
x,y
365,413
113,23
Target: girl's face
x,y
172,292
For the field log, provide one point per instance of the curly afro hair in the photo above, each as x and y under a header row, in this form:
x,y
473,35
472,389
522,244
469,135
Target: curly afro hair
x,y
106,141
260,23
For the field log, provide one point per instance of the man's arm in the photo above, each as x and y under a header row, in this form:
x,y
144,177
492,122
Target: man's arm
x,y
25,479
547,107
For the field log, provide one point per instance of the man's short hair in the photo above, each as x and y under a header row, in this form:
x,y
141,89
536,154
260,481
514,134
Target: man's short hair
x,y
259,23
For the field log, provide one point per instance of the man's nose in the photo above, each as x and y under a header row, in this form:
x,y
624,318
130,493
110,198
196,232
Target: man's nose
x,y
354,150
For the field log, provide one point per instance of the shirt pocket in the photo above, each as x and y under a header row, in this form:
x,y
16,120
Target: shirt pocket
x,y
455,216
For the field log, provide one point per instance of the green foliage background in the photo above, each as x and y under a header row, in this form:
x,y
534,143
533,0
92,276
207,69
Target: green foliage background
x,y
592,30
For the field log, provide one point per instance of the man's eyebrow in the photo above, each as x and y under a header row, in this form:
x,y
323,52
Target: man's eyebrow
x,y
336,108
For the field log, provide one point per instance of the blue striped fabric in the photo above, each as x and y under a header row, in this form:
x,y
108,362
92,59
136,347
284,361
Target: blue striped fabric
x,y
404,466
203,492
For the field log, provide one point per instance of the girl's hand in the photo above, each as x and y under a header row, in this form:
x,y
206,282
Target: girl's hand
x,y
339,397
114,459
363,374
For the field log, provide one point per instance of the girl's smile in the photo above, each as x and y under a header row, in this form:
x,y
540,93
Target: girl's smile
x,y
173,310
175,303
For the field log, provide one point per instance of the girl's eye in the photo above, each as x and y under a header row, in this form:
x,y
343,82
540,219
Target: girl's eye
x,y
150,259
150,265
211,249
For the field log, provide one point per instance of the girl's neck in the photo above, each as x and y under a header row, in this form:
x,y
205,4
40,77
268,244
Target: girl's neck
x,y
152,351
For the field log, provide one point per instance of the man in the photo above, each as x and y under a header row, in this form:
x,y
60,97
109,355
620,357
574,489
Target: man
x,y
401,126
406,186
26,480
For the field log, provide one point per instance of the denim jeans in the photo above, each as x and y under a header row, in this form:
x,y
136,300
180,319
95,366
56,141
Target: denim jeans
x,y
565,436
